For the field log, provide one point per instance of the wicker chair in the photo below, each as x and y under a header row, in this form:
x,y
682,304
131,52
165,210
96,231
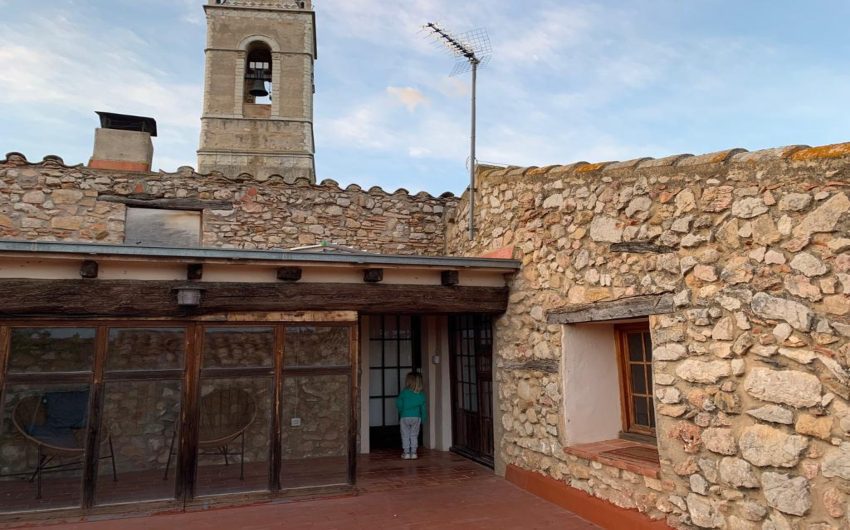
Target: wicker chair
x,y
226,415
55,423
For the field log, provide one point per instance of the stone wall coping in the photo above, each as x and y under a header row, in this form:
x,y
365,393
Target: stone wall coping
x,y
15,159
795,153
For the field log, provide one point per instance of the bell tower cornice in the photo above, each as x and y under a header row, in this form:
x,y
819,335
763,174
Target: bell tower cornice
x,y
300,5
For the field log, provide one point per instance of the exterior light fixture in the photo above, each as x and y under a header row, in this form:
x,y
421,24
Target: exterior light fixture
x,y
189,296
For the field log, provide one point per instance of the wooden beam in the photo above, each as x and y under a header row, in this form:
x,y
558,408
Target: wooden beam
x,y
139,298
88,269
150,201
632,307
373,275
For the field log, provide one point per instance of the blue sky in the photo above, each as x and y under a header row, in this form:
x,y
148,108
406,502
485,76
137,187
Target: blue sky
x,y
569,80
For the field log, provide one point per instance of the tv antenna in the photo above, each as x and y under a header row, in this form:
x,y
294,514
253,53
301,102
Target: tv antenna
x,y
472,50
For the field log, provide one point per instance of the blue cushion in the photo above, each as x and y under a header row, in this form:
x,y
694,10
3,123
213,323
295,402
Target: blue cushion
x,y
66,410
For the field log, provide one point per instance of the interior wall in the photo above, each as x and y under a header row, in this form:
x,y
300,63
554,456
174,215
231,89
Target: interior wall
x,y
590,375
438,383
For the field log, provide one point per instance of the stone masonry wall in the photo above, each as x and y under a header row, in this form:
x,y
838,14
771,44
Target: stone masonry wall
x,y
751,368
49,201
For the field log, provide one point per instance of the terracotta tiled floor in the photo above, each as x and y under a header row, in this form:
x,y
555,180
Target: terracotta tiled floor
x,y
440,490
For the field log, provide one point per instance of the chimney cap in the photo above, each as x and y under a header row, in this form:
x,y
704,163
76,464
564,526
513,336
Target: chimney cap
x,y
126,122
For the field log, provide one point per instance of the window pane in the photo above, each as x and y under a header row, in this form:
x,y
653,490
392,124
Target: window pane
x,y
238,347
150,227
405,329
141,420
376,353
375,382
376,327
406,353
43,421
317,346
635,345
145,349
235,425
390,412
638,379
391,382
376,412
647,345
641,411
51,350
391,353
315,445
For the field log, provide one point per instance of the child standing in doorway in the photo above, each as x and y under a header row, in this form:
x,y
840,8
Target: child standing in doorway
x,y
412,411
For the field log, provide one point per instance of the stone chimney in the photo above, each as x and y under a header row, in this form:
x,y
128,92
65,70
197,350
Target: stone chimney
x,y
123,143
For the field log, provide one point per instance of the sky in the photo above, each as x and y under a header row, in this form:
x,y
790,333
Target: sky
x,y
568,81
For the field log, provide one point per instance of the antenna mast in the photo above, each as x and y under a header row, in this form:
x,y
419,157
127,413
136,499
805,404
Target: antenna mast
x,y
473,50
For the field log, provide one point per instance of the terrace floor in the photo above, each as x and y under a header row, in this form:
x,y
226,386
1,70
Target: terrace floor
x,y
439,490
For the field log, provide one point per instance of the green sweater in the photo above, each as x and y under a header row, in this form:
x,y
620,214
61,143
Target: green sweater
x,y
411,404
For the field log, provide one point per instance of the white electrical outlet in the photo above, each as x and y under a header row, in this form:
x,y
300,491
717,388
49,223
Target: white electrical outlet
x,y
295,422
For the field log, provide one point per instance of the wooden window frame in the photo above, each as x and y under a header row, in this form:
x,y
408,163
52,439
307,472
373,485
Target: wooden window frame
x,y
630,428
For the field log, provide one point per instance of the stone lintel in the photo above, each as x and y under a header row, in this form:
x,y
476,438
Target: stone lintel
x,y
641,247
632,307
171,203
549,366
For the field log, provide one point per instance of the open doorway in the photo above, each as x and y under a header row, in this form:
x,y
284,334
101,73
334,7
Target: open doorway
x,y
394,351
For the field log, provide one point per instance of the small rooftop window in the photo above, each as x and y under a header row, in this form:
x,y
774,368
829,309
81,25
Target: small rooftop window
x,y
149,227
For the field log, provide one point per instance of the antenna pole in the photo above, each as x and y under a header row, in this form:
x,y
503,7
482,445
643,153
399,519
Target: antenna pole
x,y
472,152
473,50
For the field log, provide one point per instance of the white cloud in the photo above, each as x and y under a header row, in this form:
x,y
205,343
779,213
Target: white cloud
x,y
409,97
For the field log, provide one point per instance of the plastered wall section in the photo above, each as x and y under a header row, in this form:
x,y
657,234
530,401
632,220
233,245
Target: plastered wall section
x,y
750,368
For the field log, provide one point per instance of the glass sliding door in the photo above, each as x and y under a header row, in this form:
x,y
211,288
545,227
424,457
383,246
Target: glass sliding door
x,y
140,415
45,417
123,413
234,422
317,418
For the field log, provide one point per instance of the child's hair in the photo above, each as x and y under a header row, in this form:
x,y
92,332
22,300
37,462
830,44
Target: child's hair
x,y
413,381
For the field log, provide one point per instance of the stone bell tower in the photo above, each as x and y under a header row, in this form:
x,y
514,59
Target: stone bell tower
x,y
258,88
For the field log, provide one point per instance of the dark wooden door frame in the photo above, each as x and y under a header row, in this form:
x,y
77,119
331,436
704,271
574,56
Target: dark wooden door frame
x,y
483,399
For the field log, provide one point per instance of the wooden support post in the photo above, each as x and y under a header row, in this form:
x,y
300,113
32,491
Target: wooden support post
x,y
88,269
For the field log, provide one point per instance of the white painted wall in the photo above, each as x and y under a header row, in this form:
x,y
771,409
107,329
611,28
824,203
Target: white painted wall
x,y
591,381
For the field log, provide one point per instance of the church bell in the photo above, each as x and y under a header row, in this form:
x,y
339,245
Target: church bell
x,y
258,89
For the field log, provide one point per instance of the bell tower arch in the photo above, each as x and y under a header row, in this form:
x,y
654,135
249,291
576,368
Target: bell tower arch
x,y
258,88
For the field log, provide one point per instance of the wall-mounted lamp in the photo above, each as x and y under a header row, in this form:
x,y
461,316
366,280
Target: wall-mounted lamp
x,y
435,359
189,296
